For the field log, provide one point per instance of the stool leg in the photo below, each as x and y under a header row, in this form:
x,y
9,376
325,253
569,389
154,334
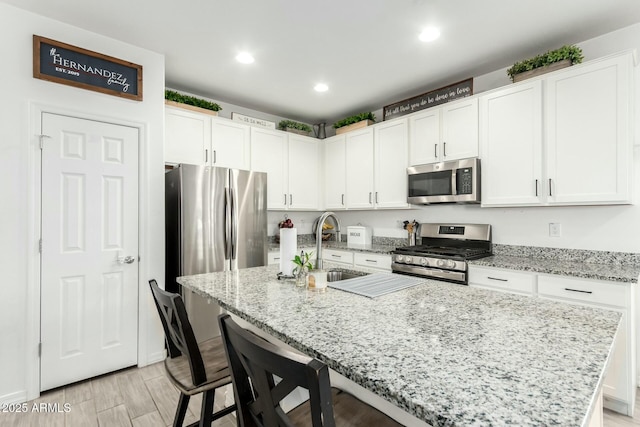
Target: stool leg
x,y
206,413
181,410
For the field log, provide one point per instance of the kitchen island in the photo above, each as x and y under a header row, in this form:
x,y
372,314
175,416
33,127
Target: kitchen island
x,y
449,355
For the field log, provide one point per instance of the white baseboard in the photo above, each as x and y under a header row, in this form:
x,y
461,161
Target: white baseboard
x,y
155,357
17,397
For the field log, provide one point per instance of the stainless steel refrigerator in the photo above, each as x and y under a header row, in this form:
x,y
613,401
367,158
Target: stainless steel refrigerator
x,y
216,220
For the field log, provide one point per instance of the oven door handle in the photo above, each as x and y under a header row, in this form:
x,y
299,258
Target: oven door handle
x,y
454,190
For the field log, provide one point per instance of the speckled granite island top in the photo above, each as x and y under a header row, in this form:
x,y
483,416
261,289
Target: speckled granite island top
x,y
450,355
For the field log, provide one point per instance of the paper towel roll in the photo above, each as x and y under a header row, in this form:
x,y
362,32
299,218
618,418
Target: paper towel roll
x,y
288,250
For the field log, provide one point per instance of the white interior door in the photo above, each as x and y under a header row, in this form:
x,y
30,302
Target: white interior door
x,y
89,271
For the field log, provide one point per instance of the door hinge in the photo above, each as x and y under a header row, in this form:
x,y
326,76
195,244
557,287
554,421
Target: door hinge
x,y
39,349
42,138
40,245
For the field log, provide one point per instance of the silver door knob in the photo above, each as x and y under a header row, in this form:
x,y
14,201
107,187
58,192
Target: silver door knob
x,y
126,260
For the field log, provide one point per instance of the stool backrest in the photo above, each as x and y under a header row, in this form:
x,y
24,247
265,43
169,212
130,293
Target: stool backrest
x,y
177,331
254,362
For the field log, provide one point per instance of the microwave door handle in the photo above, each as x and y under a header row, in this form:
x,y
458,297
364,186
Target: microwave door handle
x,y
454,190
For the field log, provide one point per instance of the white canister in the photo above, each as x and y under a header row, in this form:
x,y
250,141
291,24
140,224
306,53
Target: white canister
x,y
359,237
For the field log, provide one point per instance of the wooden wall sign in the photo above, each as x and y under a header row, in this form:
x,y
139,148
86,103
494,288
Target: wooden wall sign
x,y
71,65
253,121
429,99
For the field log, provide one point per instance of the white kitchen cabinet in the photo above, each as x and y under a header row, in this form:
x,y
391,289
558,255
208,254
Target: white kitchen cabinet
x,y
269,153
588,136
449,132
341,257
202,139
391,156
511,145
561,139
359,174
230,144
292,166
335,172
187,136
619,383
374,261
502,280
273,257
303,172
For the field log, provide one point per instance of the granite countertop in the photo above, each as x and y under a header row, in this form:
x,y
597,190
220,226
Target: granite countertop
x,y
375,248
450,355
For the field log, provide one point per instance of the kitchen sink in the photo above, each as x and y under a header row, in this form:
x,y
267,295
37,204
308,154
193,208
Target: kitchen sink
x,y
370,285
337,275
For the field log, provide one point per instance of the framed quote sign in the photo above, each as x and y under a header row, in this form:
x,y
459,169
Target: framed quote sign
x,y
71,65
430,99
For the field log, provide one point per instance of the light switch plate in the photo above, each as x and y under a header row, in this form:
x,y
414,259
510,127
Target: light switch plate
x,y
555,229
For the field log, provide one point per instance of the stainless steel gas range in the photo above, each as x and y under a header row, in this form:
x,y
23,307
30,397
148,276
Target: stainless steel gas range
x,y
444,251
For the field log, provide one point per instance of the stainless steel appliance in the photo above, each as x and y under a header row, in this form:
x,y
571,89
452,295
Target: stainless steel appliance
x,y
457,181
444,251
216,220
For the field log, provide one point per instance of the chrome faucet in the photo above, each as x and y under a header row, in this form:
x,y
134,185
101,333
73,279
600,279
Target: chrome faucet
x,y
321,221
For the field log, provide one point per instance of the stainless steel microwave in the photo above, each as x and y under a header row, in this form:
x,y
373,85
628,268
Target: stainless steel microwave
x,y
456,181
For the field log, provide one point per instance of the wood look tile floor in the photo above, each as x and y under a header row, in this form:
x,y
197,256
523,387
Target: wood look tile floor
x,y
133,397
144,397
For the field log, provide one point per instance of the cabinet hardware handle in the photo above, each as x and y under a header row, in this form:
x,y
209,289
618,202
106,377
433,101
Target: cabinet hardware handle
x,y
214,157
369,197
342,199
536,188
376,197
498,279
275,259
550,187
290,199
578,290
206,155
444,149
336,256
371,260
285,199
435,150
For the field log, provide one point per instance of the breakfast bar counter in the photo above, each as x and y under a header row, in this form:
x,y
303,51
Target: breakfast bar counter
x,y
448,354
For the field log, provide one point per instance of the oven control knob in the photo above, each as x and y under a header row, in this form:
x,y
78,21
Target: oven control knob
x,y
451,263
424,261
408,260
440,263
400,258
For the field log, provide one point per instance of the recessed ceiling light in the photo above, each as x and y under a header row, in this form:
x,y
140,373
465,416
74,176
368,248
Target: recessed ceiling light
x,y
245,58
429,34
321,87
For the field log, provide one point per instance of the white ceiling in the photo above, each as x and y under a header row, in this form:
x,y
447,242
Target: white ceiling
x,y
368,52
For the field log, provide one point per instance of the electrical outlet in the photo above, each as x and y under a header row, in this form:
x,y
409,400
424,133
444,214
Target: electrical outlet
x,y
555,229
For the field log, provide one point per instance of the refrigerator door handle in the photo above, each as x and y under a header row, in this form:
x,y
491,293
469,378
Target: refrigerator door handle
x,y
227,224
234,223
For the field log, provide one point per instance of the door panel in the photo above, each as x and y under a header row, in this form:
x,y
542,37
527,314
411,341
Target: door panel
x,y
89,294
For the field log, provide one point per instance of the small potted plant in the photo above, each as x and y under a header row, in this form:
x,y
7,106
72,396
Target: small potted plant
x,y
550,61
356,121
177,99
302,268
294,127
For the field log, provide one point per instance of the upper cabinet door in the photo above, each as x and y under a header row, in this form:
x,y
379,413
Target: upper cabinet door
x,y
424,137
187,136
335,170
511,145
304,162
360,169
230,144
589,150
391,161
269,154
459,130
